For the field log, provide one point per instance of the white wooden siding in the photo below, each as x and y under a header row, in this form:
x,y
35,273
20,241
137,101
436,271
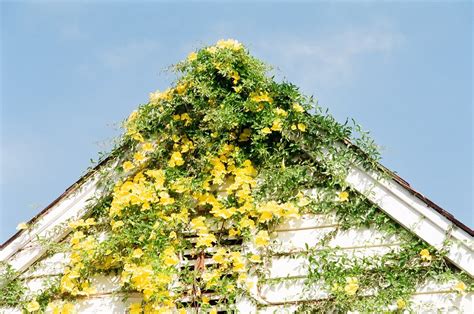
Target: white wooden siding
x,y
290,239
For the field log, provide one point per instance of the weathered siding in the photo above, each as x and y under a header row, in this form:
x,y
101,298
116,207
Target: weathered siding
x,y
288,264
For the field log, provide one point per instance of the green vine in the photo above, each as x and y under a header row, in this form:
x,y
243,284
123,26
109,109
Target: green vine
x,y
12,290
204,172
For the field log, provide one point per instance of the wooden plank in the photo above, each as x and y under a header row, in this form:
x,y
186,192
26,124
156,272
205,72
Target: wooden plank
x,y
308,221
282,298
298,240
290,290
48,266
72,206
297,266
415,215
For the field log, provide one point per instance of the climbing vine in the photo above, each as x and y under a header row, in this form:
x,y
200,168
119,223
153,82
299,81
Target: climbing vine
x,y
201,176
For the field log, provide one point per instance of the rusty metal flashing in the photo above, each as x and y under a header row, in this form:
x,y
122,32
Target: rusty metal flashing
x,y
429,203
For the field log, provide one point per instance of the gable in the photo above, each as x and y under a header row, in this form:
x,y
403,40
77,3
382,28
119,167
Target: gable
x,y
224,193
288,268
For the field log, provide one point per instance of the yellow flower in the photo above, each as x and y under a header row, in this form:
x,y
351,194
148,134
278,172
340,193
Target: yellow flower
x,y
86,289
182,311
460,287
127,166
135,308
302,200
181,88
33,306
281,112
77,237
76,224
246,222
137,253
276,126
265,216
261,97
138,157
145,206
137,137
198,224
425,255
220,256
206,239
266,130
222,212
89,222
262,239
186,118
233,232
176,159
237,261
245,135
210,277
235,77
269,210
230,288
155,97
54,308
158,96
158,175
290,210
165,198
170,258
343,196
67,284
401,304
255,258
302,127
298,107
172,235
352,285
22,226
132,116
213,311
68,308
192,56
229,44
237,89
147,147
211,50
116,224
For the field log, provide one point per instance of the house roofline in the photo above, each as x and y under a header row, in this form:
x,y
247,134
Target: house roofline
x,y
399,180
381,167
71,189
429,202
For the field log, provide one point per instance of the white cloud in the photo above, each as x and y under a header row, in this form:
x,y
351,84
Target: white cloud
x,y
330,59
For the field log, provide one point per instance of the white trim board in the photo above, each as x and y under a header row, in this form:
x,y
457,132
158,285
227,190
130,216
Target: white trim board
x,y
415,215
20,255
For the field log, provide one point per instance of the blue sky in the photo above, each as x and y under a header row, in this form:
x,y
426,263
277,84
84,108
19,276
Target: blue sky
x,y
70,72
